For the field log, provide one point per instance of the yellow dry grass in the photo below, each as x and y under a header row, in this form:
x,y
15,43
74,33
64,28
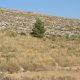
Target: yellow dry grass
x,y
42,75
35,54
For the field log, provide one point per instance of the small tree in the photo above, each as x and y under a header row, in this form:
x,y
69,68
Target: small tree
x,y
38,29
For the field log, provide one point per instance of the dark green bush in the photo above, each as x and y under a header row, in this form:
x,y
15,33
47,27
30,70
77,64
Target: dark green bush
x,y
38,29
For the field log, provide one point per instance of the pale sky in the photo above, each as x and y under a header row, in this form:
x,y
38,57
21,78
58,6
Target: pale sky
x,y
64,8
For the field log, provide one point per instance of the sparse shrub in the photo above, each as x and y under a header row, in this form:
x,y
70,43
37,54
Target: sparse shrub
x,y
74,37
11,33
12,65
22,33
78,37
38,29
51,37
67,36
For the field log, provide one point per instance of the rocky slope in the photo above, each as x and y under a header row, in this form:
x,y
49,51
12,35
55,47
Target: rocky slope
x,y
23,22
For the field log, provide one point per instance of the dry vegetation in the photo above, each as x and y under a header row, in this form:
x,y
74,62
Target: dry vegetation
x,y
23,22
49,75
57,55
29,53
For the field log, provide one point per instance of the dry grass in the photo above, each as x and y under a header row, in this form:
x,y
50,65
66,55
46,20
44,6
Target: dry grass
x,y
44,75
54,58
29,53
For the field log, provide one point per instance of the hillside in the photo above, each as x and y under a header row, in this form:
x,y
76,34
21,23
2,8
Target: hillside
x,y
24,53
58,51
23,22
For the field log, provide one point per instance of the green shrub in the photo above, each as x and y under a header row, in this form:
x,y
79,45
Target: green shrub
x,y
22,33
38,29
11,33
67,37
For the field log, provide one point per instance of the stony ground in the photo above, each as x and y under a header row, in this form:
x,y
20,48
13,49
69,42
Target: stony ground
x,y
23,22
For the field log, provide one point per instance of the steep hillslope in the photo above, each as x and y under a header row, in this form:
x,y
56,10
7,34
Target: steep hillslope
x,y
23,21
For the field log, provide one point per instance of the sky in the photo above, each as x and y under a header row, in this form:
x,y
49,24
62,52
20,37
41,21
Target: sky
x,y
63,8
